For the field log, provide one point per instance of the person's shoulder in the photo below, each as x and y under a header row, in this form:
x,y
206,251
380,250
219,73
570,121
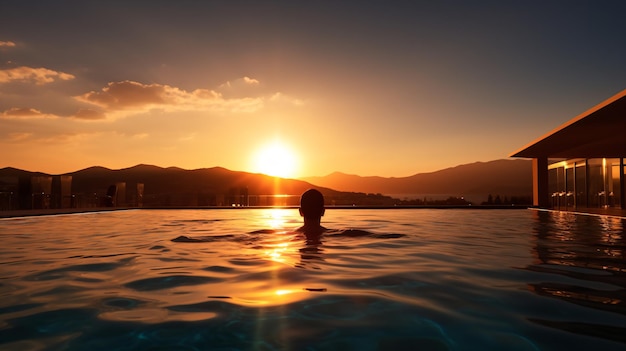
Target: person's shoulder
x,y
356,233
312,230
352,232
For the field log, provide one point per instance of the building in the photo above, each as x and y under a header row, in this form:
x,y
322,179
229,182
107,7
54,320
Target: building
x,y
40,192
580,165
9,193
36,192
61,195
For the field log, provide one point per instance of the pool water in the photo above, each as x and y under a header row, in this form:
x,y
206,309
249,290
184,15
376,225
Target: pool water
x,y
241,279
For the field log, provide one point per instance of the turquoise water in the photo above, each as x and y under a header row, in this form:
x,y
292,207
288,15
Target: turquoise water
x,y
240,279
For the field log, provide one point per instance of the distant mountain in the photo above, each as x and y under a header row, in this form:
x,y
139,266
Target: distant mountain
x,y
178,187
177,180
475,181
219,186
15,172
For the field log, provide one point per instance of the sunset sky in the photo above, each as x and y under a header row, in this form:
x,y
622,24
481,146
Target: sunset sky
x,y
387,88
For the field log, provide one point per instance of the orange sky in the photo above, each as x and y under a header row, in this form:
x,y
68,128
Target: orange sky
x,y
362,89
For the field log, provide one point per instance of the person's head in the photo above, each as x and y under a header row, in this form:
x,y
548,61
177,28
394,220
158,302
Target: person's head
x,y
312,205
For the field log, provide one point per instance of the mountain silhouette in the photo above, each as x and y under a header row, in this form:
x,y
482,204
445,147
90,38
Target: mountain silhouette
x,y
219,186
177,180
475,181
174,186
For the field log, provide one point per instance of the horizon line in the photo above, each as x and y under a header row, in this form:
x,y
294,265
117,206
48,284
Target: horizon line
x,y
249,172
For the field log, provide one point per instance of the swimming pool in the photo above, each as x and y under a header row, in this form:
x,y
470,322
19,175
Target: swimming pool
x,y
420,279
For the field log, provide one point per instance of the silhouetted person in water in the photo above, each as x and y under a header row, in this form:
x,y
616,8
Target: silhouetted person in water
x,y
312,209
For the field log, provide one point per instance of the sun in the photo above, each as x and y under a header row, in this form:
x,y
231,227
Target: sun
x,y
276,159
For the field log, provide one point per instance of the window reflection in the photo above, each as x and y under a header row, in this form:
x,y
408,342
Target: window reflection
x,y
589,249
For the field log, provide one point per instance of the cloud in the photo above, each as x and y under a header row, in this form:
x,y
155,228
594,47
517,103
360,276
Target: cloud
x,y
121,95
137,97
8,44
89,114
63,138
39,76
280,97
22,112
250,81
16,112
124,98
14,137
30,138
31,113
239,84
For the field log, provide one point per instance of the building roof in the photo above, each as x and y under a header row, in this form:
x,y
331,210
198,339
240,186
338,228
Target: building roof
x,y
597,133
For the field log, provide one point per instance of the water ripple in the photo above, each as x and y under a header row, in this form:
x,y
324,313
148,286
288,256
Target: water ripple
x,y
407,279
169,282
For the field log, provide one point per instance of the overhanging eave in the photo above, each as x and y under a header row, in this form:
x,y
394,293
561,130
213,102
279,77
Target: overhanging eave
x,y
598,132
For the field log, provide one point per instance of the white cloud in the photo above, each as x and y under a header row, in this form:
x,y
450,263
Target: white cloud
x,y
39,76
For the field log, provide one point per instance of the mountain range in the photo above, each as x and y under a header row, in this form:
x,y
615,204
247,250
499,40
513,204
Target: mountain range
x,y
474,181
156,186
220,186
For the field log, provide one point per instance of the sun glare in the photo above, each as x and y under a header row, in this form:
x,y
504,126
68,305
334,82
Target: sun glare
x,y
276,160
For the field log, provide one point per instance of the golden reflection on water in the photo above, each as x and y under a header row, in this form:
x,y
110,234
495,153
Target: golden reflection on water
x,y
155,315
277,252
276,218
280,292
280,246
252,271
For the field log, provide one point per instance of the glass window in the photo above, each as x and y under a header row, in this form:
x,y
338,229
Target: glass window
x,y
556,187
581,184
595,182
569,187
553,187
613,182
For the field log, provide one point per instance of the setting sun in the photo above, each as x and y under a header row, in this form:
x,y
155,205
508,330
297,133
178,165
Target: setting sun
x,y
276,160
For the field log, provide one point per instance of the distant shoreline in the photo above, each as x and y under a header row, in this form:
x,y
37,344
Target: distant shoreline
x,y
64,211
